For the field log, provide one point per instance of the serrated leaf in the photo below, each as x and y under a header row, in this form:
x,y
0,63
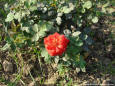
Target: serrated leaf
x,y
77,33
71,6
35,28
103,10
41,33
35,37
79,43
95,20
83,10
82,64
33,1
56,59
105,5
84,37
17,16
87,4
65,9
83,69
10,17
13,46
43,28
25,29
61,69
33,8
47,59
58,20
111,10
77,70
44,53
48,26
46,56
67,32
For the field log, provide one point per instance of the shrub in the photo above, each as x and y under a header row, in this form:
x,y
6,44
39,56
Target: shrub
x,y
28,22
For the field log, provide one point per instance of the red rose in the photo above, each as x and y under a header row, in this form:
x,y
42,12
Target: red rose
x,y
56,44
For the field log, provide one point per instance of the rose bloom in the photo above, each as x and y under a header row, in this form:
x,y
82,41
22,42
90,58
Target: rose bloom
x,y
56,44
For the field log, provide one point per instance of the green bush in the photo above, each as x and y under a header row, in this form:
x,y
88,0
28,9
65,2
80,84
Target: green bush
x,y
29,21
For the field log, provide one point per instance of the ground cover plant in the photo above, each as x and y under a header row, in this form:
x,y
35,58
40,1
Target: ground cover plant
x,y
44,36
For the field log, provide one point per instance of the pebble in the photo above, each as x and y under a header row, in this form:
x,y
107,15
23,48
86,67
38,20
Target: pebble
x,y
7,66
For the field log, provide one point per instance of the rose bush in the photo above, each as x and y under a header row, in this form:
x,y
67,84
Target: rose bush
x,y
56,44
27,22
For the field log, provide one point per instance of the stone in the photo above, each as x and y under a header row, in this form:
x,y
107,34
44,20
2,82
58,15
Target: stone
x,y
7,66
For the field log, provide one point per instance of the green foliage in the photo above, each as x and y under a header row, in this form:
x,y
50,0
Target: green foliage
x,y
29,21
10,17
46,56
87,5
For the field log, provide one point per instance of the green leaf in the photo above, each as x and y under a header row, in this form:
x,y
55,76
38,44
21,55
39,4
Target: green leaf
x,y
47,59
49,26
105,5
27,3
83,10
33,8
13,46
77,33
103,10
35,37
65,9
56,59
111,10
41,28
61,69
79,43
95,20
6,47
25,29
84,37
83,69
82,64
44,53
87,4
77,69
33,1
45,26
35,28
46,56
58,20
41,33
17,16
10,17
